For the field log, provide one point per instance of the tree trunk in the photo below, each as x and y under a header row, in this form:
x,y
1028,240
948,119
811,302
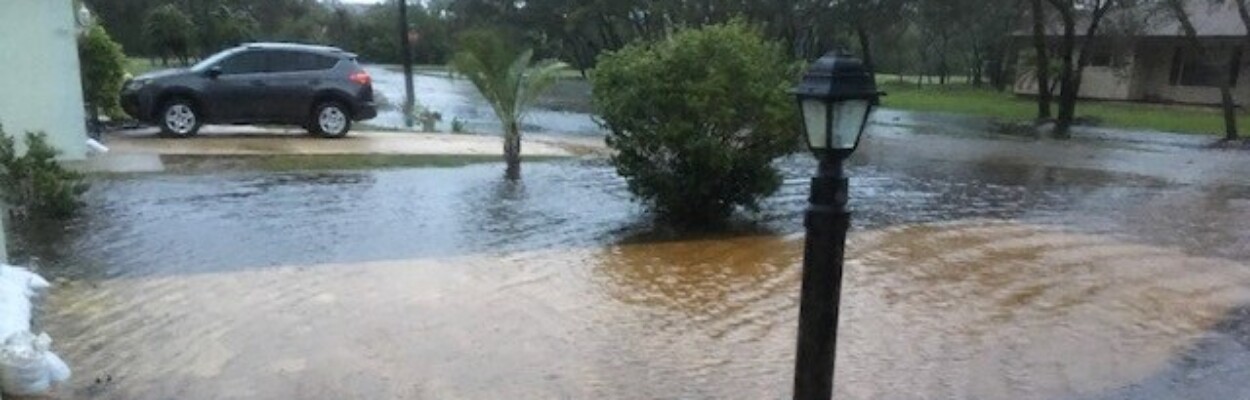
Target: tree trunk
x,y
1244,11
1005,60
512,151
1042,64
865,47
1067,96
1226,96
943,67
978,65
1072,69
1227,102
1230,112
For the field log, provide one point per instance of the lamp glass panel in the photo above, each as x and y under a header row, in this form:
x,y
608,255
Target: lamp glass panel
x,y
815,121
848,122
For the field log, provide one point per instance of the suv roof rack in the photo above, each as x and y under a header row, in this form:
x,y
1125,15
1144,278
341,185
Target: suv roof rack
x,y
293,46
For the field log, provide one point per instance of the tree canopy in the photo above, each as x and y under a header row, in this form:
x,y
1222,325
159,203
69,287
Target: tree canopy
x,y
930,37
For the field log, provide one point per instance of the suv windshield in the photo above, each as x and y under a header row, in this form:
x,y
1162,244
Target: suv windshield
x,y
207,63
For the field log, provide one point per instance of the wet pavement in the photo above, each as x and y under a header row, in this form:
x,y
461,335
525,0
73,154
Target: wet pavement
x,y
980,269
248,140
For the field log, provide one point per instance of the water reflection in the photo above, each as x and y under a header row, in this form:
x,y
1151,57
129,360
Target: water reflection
x,y
700,279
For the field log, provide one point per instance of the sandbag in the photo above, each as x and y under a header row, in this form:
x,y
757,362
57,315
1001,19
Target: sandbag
x,y
28,367
23,277
17,287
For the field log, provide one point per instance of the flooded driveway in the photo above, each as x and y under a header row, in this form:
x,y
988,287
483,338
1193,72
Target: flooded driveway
x,y
978,269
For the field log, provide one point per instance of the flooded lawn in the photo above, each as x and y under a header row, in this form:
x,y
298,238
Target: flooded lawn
x,y
979,270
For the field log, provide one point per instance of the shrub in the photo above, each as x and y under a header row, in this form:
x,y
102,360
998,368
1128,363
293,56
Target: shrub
x,y
103,71
697,120
33,183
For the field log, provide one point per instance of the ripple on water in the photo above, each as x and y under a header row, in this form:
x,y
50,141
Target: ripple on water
x,y
947,311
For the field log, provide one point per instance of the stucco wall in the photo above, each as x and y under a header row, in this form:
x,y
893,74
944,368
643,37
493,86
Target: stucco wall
x,y
40,89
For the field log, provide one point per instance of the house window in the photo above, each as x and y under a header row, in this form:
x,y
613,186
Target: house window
x,y
1105,56
1188,69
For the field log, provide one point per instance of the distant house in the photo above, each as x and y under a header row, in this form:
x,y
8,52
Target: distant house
x,y
40,87
1157,63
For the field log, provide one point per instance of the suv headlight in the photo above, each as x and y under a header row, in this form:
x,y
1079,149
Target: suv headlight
x,y
136,85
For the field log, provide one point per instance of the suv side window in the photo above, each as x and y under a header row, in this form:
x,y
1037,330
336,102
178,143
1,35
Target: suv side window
x,y
297,61
249,62
317,61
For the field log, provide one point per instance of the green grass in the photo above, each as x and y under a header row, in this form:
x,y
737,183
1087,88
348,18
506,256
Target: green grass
x,y
962,98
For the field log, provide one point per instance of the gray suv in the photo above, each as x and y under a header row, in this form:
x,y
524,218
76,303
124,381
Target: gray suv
x,y
319,88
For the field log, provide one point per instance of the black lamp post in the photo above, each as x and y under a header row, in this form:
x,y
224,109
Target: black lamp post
x,y
836,98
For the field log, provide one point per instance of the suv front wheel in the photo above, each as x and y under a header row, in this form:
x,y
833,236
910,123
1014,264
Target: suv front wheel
x,y
330,119
179,118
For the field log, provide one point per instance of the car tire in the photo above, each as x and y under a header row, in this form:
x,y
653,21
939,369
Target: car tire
x,y
180,118
330,119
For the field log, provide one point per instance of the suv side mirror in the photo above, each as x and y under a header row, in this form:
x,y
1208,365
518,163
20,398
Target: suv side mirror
x,y
213,72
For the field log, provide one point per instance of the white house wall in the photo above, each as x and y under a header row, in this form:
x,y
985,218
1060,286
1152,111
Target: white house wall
x,y
1107,83
1102,83
40,87
1146,77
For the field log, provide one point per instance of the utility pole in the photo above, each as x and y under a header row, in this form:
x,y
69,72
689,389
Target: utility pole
x,y
406,42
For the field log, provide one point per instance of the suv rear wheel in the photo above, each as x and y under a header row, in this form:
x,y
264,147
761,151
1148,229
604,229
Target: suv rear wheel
x,y
179,118
330,119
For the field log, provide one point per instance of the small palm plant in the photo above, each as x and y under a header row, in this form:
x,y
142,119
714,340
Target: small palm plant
x,y
508,81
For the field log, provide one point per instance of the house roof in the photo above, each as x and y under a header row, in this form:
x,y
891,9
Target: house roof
x,y
1210,19
1218,19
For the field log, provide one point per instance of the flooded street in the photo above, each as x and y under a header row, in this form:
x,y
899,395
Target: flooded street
x,y
979,269
564,110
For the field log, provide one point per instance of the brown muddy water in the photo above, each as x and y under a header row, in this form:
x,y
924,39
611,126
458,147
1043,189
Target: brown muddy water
x,y
978,270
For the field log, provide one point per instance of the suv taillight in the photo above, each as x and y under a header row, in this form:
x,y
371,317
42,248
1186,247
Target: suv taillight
x,y
360,77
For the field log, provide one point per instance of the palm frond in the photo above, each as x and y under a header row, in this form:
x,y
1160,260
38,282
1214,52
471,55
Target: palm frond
x,y
505,78
537,80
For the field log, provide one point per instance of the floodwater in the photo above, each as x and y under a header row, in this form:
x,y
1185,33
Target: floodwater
x,y
978,269
563,110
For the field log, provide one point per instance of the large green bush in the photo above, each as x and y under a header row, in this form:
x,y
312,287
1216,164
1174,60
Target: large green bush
x,y
33,183
697,120
103,71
